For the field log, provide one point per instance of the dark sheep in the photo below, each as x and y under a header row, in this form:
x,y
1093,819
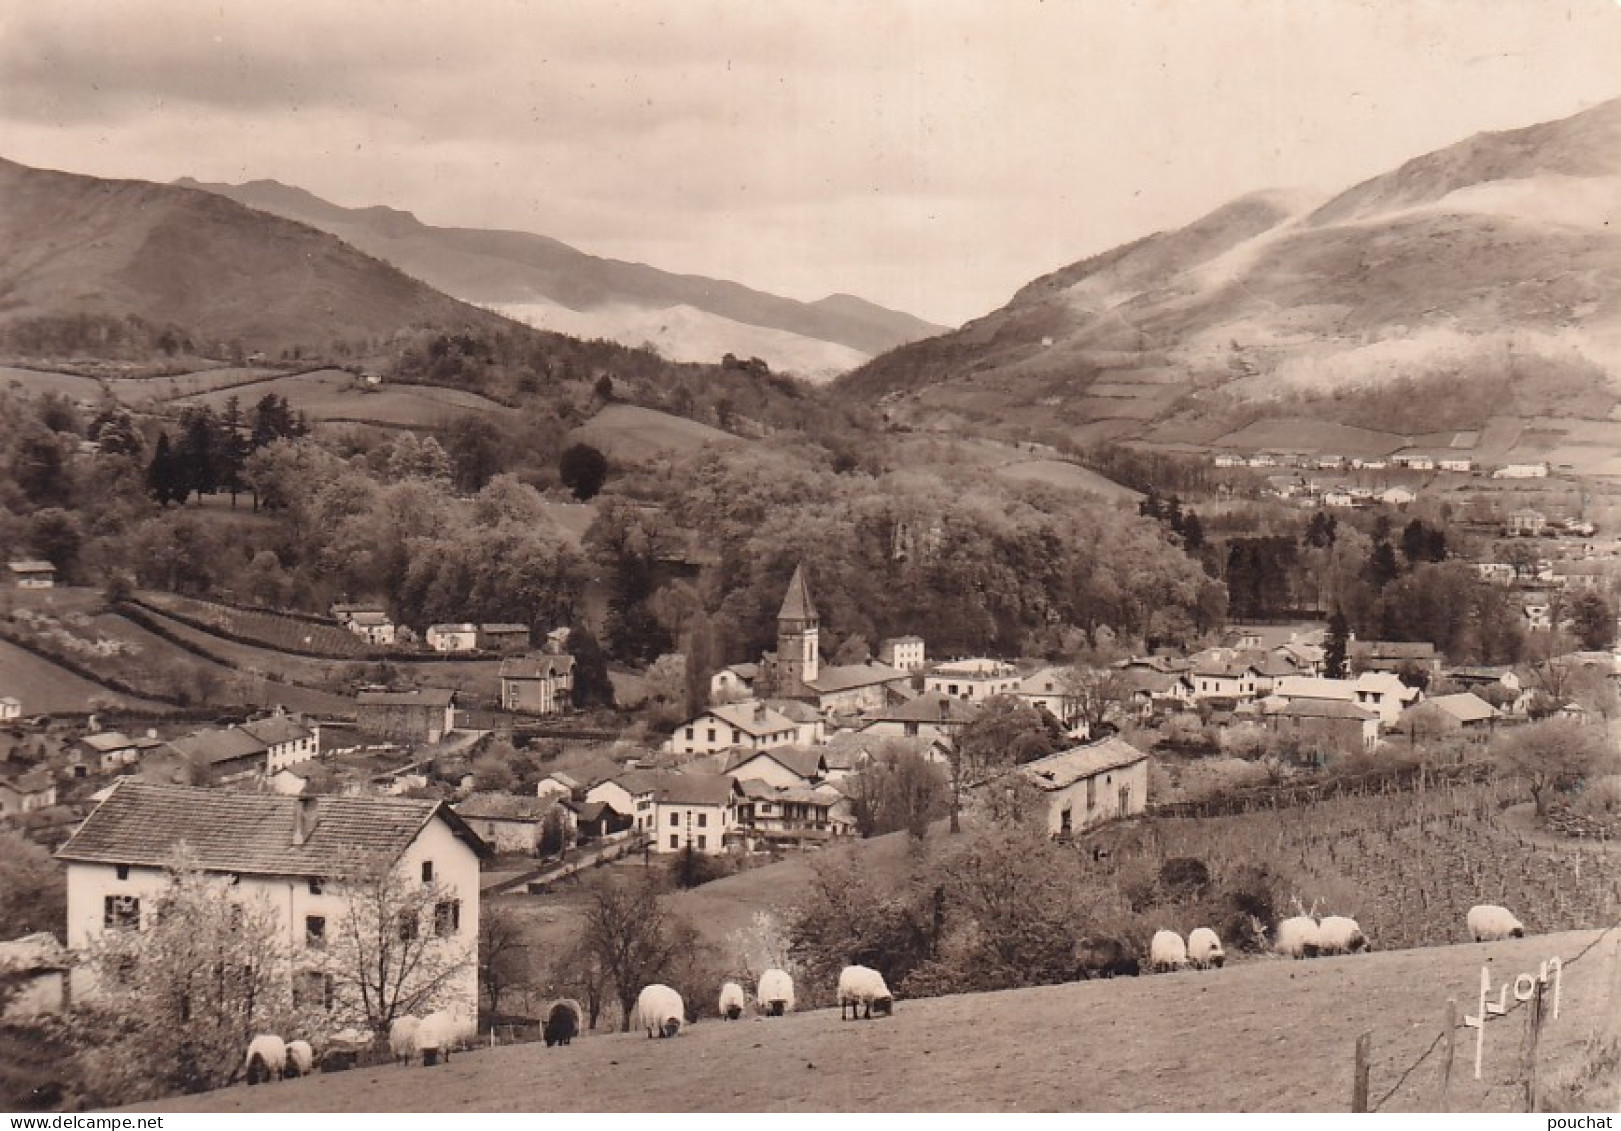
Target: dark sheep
x,y
562,1023
1104,958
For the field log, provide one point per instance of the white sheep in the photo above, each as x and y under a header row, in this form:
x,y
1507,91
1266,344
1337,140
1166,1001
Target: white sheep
x,y
862,986
300,1058
732,1001
1297,937
267,1059
1166,952
1490,923
1204,949
440,1032
402,1038
1337,934
660,1011
776,992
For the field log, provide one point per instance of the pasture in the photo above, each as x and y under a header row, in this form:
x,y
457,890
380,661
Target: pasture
x,y
1067,476
630,433
1268,1035
143,392
45,688
38,382
334,395
271,630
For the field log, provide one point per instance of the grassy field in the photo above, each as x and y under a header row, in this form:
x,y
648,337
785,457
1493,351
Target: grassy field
x,y
1269,1035
335,395
45,688
269,629
1067,476
142,392
629,432
37,382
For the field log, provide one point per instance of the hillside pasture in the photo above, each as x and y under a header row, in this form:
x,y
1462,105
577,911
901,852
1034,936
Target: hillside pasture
x,y
631,433
271,630
44,688
1311,436
38,382
1067,477
1270,1035
144,392
334,395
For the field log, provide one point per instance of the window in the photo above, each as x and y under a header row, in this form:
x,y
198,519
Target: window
x,y
711,734
691,731
427,871
123,871
703,842
447,917
675,840
1091,793
315,887
314,990
737,737
315,931
408,926
674,820
703,820
121,912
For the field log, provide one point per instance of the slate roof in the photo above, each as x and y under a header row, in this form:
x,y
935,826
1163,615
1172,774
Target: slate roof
x,y
802,762
796,603
751,718
252,833
277,729
926,708
1057,771
846,677
536,667
211,747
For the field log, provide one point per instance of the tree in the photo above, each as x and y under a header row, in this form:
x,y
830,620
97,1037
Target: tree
x,y
583,470
898,789
476,452
1592,619
178,1000
233,449
397,947
1335,646
592,687
33,888
197,452
1097,694
1005,733
505,962
164,480
1550,754
58,536
633,938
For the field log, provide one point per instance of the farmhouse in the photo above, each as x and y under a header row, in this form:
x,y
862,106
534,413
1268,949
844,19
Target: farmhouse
x,y
371,625
1048,690
1525,523
733,683
452,637
423,715
1232,680
934,715
1392,655
783,767
577,781
107,750
10,708
1384,695
506,639
1521,471
750,724
27,792
514,824
1324,727
857,687
794,814
677,811
224,756
32,574
1089,784
288,855
905,653
1464,715
537,685
287,741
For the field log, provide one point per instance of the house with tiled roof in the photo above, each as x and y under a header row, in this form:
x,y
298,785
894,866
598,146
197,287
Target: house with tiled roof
x,y
799,815
733,682
934,714
1215,678
504,639
1049,690
107,751
1392,655
32,574
784,766
223,756
1087,785
374,626
675,810
27,792
975,680
1462,715
286,738
423,715
576,781
460,637
293,857
1323,728
904,653
541,684
858,687
510,823
750,724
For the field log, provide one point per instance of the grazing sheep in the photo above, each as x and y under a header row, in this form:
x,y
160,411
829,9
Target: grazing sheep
x,y
402,1038
1297,937
300,1058
1338,935
1204,949
562,1022
440,1032
1490,923
732,1001
1103,958
267,1059
1167,952
660,1011
776,992
862,986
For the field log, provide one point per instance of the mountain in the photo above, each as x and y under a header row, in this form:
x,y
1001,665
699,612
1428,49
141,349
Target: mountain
x,y
214,269
539,280
1478,282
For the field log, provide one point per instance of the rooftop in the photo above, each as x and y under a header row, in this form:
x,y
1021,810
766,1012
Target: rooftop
x,y
796,603
420,697
1057,771
846,677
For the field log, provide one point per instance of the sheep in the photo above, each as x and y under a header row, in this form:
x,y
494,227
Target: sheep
x,y
776,992
562,1022
267,1058
732,1001
1103,958
1490,923
1167,952
1204,949
440,1032
300,1058
1297,937
862,986
660,1011
402,1038
1338,935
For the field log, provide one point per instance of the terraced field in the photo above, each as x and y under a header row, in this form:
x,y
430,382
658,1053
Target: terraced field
x,y
271,630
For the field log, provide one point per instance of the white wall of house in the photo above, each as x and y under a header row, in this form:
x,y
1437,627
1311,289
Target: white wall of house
x,y
1114,793
703,827
709,734
294,751
768,770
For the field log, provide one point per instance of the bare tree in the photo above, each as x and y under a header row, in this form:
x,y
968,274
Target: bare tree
x,y
633,939
504,959
1095,695
1551,753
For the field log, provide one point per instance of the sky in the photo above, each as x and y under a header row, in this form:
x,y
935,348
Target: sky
x,y
929,155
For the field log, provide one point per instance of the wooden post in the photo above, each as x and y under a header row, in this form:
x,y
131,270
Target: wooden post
x,y
1359,1080
1448,1046
1533,1038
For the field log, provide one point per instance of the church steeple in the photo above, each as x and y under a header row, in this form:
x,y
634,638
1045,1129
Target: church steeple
x,y
798,631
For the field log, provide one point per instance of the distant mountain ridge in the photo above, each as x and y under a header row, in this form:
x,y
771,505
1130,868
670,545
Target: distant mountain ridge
x,y
512,271
1483,279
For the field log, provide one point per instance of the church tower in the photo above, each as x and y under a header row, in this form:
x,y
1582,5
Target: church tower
x,y
798,659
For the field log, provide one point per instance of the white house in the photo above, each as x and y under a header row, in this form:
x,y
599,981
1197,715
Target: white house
x,y
38,966
783,767
32,574
1450,463
10,708
749,724
1385,695
452,637
975,680
1521,471
26,792
675,810
1089,784
287,855
1397,496
1214,679
1049,691
934,714
371,625
733,683
904,653
286,739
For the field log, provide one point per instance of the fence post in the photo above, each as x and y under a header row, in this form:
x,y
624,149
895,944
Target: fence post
x,y
1533,1097
1359,1074
1448,1046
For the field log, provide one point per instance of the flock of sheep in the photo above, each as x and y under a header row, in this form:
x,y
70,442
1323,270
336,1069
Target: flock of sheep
x,y
660,1011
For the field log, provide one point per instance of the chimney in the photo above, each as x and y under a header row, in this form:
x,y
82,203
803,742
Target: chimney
x,y
759,712
945,709
304,818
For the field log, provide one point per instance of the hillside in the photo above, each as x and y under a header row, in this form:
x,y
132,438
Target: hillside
x,y
214,270
540,280
1482,279
1268,1035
